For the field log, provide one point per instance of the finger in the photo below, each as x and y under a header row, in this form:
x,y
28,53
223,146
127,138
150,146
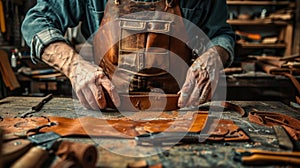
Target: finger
x,y
200,84
206,94
186,89
98,95
90,97
110,88
195,95
82,100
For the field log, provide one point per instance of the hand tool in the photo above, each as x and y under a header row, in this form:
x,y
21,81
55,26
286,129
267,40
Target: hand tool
x,y
37,107
283,138
172,138
217,107
265,157
166,138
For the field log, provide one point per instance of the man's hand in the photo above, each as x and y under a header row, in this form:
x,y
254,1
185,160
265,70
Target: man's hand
x,y
202,78
87,79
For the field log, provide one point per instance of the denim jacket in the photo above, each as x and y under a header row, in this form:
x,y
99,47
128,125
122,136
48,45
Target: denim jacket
x,y
48,21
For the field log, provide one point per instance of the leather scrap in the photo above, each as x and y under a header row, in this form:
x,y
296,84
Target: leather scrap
x,y
290,124
81,154
230,131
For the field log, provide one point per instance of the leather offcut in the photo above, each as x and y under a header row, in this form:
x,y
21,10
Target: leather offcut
x,y
290,124
83,154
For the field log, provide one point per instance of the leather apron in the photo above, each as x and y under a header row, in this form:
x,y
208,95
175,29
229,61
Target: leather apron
x,y
137,50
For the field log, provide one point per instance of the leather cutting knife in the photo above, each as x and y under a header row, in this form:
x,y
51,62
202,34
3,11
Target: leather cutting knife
x,y
37,107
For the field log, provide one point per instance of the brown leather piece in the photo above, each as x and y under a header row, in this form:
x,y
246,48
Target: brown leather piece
x,y
14,149
125,127
17,126
230,131
272,69
145,101
83,154
291,125
91,126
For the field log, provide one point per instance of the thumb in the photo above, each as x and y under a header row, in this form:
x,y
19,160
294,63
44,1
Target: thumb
x,y
111,90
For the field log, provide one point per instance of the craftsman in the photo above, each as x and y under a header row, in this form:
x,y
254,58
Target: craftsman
x,y
45,25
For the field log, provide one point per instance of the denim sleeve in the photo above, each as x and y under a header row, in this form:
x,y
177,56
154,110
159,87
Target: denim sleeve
x,y
48,21
217,29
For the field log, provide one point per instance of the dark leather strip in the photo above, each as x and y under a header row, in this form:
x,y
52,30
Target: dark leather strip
x,y
234,107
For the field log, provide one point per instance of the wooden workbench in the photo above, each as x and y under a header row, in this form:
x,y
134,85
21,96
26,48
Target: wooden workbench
x,y
120,152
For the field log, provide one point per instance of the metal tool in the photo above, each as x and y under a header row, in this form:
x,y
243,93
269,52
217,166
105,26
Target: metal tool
x,y
37,107
171,138
165,138
283,138
265,157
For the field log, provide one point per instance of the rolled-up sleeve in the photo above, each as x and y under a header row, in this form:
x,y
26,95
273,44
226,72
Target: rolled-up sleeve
x,y
48,21
217,29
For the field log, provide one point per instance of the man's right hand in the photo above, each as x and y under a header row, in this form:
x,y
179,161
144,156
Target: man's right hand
x,y
87,79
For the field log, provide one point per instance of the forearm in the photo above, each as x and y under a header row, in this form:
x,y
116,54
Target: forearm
x,y
225,46
218,30
47,22
62,57
224,55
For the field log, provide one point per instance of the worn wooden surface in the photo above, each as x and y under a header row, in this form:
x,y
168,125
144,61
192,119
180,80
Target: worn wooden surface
x,y
121,152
